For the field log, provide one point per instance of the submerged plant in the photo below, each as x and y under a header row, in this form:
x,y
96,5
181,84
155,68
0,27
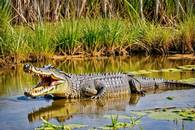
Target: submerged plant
x,y
116,124
50,126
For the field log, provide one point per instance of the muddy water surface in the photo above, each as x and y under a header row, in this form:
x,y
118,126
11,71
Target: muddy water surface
x,y
17,112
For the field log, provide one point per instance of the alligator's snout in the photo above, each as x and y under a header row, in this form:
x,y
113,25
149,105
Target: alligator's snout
x,y
27,94
27,67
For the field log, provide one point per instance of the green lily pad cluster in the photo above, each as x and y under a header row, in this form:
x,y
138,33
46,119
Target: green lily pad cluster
x,y
176,69
171,114
186,67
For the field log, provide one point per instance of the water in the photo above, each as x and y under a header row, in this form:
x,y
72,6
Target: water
x,y
18,112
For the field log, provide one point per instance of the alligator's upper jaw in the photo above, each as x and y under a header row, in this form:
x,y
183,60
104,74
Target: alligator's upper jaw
x,y
48,82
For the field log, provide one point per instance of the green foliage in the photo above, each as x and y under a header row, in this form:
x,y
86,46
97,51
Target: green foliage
x,y
116,124
90,36
97,37
5,16
68,37
173,114
187,33
40,41
50,126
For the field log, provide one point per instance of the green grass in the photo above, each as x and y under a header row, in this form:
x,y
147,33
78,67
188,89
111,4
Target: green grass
x,y
67,37
94,37
187,33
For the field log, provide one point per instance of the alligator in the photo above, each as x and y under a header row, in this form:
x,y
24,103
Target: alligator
x,y
59,84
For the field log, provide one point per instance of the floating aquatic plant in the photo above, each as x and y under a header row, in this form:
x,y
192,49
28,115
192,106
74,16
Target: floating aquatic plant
x,y
171,114
116,124
50,126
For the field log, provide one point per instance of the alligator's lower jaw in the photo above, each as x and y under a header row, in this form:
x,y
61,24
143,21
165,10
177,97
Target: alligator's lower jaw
x,y
34,93
27,94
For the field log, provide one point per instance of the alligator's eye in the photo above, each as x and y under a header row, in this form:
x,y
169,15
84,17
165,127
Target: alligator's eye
x,y
27,67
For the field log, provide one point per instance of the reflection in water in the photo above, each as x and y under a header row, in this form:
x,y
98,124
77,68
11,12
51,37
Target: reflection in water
x,y
62,110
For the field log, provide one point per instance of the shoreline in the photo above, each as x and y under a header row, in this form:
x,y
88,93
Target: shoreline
x,y
7,64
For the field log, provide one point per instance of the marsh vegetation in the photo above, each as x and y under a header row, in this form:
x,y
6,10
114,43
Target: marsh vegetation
x,y
33,30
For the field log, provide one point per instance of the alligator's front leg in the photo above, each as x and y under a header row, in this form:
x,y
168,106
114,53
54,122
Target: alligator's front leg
x,y
94,89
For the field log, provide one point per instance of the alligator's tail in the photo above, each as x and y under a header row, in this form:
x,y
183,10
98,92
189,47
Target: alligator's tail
x,y
142,84
168,85
178,85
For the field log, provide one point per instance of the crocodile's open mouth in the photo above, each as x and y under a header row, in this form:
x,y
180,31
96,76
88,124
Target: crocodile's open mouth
x,y
47,83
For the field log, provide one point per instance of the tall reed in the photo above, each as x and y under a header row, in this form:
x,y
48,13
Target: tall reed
x,y
68,37
40,41
94,37
5,16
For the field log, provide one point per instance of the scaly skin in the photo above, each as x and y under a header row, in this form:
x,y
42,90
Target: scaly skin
x,y
59,84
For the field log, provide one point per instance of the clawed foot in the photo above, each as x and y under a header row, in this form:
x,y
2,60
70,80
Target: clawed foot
x,y
142,93
96,97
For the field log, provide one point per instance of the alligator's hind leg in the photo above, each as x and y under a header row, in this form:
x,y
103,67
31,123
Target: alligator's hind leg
x,y
135,86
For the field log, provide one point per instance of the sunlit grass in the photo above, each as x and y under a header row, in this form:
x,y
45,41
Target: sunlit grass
x,y
187,33
67,37
94,37
159,39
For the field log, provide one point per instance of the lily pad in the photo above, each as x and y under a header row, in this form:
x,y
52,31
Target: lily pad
x,y
169,98
138,113
164,115
186,68
172,114
173,70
